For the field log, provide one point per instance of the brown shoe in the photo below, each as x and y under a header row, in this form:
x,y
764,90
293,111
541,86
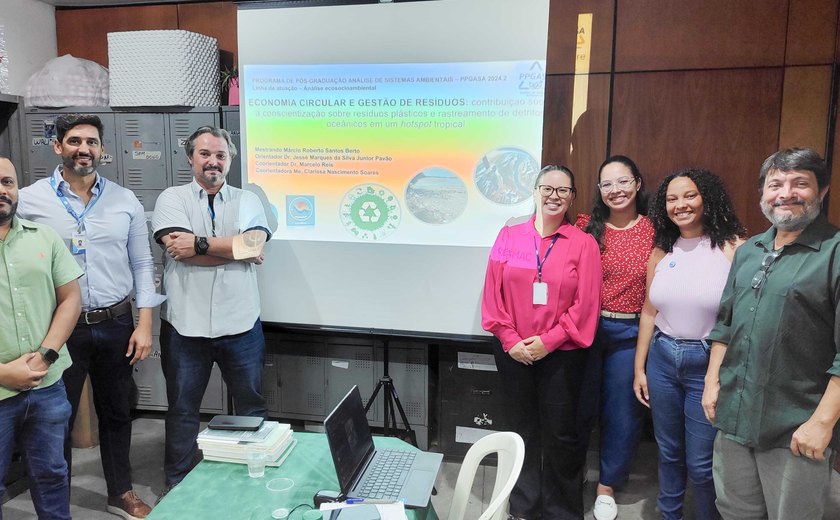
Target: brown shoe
x,y
129,506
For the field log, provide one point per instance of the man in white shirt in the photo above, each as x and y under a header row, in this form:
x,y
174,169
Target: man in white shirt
x,y
213,234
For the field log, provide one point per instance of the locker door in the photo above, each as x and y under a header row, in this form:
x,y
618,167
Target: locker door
x,y
143,154
230,122
181,126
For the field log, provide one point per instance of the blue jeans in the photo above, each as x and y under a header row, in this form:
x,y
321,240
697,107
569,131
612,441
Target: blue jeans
x,y
621,412
99,350
187,362
676,369
37,420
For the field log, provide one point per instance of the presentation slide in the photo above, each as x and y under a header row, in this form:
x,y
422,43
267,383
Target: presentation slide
x,y
391,142
416,153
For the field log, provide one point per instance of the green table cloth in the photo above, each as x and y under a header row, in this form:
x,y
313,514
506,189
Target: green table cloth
x,y
219,490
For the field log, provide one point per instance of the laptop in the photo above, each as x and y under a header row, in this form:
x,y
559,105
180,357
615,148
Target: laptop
x,y
376,474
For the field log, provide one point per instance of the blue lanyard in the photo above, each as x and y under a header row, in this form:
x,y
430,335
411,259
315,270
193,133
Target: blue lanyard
x,y
212,212
540,263
77,217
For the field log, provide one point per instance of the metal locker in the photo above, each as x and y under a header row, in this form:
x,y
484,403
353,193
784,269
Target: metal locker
x,y
348,365
143,154
270,390
230,122
39,128
302,379
181,126
147,198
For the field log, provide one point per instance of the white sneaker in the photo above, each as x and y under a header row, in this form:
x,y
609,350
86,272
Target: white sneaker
x,y
605,508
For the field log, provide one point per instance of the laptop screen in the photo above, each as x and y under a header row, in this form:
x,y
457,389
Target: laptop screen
x,y
349,437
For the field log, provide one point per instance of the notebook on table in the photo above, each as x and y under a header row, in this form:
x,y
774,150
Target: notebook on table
x,y
373,473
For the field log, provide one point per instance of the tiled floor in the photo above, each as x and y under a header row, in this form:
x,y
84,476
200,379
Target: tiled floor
x,y
636,501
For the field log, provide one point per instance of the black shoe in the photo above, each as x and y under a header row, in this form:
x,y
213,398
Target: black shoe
x,y
163,493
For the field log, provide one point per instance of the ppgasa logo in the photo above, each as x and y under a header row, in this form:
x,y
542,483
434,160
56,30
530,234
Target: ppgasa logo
x,y
370,212
300,210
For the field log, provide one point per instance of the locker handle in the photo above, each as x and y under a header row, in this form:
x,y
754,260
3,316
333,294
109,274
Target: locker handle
x,y
481,392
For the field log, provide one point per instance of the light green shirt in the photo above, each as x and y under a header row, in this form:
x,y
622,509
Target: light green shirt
x,y
33,262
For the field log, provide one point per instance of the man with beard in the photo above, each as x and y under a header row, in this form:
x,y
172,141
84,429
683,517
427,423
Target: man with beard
x,y
213,234
105,227
773,383
39,303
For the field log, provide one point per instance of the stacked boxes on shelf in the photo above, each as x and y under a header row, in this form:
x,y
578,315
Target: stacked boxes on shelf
x,y
163,68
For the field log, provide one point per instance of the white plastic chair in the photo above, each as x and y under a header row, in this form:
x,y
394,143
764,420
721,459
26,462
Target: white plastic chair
x,y
510,451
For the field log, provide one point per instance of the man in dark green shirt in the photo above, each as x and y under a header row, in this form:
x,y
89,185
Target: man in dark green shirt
x,y
773,384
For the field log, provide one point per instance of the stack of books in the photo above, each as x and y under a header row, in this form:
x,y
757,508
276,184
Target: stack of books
x,y
273,438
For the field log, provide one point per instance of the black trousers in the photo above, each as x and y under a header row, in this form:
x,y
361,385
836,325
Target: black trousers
x,y
544,400
99,350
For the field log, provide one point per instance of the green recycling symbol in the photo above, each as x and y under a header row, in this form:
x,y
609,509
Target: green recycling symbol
x,y
369,212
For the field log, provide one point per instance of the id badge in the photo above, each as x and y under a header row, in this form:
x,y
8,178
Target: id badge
x,y
78,243
540,293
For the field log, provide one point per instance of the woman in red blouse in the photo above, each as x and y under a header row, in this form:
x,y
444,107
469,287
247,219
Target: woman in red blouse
x,y
541,300
625,236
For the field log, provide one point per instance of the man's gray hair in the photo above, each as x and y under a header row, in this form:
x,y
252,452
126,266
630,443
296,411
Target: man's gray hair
x,y
800,159
215,132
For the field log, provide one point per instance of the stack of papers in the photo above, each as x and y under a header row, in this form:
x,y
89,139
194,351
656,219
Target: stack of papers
x,y
273,438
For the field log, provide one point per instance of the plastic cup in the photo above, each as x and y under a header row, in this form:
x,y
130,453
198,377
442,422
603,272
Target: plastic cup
x,y
279,487
256,464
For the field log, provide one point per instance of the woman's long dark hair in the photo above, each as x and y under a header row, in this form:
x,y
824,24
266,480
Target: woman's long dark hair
x,y
601,212
719,220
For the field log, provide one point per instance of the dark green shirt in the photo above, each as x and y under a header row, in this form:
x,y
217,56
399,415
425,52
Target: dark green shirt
x,y
783,338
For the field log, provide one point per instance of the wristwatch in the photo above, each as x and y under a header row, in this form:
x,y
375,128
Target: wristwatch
x,y
201,245
50,356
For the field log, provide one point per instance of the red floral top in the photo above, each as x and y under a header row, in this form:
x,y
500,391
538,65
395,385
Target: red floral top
x,y
624,264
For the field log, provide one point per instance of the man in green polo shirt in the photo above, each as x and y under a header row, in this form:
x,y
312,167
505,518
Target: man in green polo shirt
x,y
773,383
40,303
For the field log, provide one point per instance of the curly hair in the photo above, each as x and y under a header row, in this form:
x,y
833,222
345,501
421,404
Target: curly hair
x,y
719,220
601,212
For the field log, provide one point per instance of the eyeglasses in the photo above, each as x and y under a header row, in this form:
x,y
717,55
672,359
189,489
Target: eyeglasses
x,y
623,183
563,192
761,275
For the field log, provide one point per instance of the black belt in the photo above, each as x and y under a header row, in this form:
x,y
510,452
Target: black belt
x,y
104,314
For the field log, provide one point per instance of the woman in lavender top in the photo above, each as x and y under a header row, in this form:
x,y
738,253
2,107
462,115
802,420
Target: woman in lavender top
x,y
697,233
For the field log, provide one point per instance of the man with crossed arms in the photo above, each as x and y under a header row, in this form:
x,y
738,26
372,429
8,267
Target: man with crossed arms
x,y
213,235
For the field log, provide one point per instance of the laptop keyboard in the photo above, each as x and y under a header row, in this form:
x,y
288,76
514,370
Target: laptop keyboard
x,y
385,479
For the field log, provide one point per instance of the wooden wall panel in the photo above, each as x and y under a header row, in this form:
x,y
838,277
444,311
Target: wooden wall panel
x,y
833,199
84,32
669,35
589,138
562,29
812,28
725,120
805,103
216,19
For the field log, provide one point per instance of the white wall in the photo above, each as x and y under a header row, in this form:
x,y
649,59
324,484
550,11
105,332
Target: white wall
x,y
29,26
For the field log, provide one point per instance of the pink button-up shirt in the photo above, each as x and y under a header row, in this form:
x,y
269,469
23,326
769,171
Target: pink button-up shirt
x,y
572,272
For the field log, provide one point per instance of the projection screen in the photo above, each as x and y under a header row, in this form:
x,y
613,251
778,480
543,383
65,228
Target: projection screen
x,y
391,142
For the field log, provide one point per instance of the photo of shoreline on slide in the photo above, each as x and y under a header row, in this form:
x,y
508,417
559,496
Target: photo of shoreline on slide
x,y
436,196
506,175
